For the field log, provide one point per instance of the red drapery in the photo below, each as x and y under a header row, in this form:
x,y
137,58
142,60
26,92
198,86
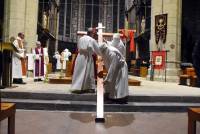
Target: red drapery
x,y
132,43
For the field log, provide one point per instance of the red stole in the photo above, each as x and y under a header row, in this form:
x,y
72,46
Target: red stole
x,y
23,60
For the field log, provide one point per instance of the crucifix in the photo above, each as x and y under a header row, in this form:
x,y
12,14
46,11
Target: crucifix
x,y
100,89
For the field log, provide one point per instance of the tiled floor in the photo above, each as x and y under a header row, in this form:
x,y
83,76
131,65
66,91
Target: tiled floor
x,y
47,122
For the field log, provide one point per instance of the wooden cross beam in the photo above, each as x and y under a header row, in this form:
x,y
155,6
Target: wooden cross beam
x,y
100,89
126,32
81,33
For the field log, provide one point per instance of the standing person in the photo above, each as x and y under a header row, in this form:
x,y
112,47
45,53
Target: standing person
x,y
83,78
38,56
196,61
116,81
17,57
117,43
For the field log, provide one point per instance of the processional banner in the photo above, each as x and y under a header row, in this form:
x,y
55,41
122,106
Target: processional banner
x,y
159,59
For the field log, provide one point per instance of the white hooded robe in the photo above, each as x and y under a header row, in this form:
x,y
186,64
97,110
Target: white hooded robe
x,y
116,81
83,77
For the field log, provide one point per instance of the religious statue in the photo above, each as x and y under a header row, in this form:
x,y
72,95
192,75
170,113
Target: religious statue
x,y
44,20
57,56
63,59
143,25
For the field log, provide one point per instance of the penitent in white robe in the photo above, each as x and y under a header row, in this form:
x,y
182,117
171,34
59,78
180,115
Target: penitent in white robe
x,y
116,81
83,76
120,46
16,62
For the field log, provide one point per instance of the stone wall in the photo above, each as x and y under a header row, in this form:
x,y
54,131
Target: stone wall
x,y
81,24
21,16
74,21
173,41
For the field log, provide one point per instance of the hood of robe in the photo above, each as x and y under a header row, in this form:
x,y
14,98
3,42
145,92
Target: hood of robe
x,y
116,39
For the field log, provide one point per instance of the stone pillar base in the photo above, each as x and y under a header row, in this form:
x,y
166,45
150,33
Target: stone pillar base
x,y
171,75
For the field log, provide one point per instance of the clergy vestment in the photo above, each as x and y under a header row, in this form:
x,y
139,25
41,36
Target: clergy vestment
x,y
83,76
38,56
116,81
117,43
16,60
23,60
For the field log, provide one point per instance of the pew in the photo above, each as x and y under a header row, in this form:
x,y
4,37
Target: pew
x,y
193,117
8,110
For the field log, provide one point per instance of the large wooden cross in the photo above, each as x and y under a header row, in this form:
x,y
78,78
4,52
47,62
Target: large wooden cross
x,y
100,89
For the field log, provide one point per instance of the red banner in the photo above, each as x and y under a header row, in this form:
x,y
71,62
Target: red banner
x,y
159,59
132,43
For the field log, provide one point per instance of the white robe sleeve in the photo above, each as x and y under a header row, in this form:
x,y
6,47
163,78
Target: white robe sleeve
x,y
112,68
122,49
96,47
83,44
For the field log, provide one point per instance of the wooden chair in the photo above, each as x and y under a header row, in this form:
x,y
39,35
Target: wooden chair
x,y
188,74
8,110
183,79
68,72
193,81
193,116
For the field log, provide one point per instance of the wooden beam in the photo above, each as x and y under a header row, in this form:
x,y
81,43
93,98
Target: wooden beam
x,y
120,30
81,33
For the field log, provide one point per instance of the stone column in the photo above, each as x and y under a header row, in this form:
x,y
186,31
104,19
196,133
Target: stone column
x,y
74,20
21,16
173,41
81,16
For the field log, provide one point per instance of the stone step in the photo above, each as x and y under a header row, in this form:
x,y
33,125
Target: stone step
x,y
92,97
68,80
30,104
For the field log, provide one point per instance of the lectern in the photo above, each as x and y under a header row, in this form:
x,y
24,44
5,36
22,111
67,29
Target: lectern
x,y
6,50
